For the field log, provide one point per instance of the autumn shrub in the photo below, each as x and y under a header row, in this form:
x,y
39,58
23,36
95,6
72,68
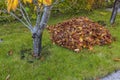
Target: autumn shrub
x,y
77,5
65,6
110,3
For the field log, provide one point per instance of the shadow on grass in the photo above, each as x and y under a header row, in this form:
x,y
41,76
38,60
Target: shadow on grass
x,y
27,54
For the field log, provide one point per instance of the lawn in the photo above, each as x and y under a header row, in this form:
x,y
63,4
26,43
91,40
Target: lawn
x,y
56,63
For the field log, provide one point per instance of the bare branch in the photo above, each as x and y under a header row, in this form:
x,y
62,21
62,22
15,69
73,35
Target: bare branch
x,y
45,16
39,13
12,14
24,16
44,19
56,2
15,16
4,16
3,11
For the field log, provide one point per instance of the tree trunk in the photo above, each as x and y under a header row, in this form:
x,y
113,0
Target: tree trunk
x,y
114,12
38,31
37,44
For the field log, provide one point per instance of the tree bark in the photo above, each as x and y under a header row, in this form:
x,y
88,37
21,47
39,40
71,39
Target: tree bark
x,y
37,43
38,31
114,12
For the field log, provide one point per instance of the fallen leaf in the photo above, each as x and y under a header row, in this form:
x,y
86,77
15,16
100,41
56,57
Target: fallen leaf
x,y
8,77
76,50
42,58
49,78
116,59
10,52
91,48
103,13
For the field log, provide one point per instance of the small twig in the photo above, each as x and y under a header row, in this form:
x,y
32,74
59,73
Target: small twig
x,y
56,2
4,16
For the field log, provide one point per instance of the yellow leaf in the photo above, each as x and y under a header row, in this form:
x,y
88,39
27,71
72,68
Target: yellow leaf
x,y
9,5
76,50
81,39
90,48
48,2
116,59
29,1
24,1
35,8
45,2
14,5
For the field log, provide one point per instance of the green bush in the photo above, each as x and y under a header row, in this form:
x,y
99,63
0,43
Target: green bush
x,y
110,3
77,5
4,17
66,6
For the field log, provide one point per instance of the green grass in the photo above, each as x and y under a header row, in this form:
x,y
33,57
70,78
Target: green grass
x,y
57,63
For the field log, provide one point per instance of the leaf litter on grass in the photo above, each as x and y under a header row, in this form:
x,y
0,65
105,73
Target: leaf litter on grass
x,y
78,33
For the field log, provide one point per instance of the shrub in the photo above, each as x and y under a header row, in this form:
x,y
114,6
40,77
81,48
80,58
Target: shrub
x,y
4,17
77,5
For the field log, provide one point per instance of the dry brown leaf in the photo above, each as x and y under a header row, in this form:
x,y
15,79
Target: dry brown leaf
x,y
76,50
42,58
10,52
8,77
116,59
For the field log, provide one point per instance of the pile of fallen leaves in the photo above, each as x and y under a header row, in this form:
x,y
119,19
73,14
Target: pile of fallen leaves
x,y
79,33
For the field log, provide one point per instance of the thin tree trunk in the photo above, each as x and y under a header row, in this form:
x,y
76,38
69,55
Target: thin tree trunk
x,y
37,44
114,12
38,31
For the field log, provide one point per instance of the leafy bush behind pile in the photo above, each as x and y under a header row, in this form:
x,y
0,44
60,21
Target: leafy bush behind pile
x,y
65,6
77,5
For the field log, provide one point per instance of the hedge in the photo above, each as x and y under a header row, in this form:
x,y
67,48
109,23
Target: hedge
x,y
73,6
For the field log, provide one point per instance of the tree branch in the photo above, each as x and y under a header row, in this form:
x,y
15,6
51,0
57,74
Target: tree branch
x,y
45,16
39,13
44,20
12,14
27,17
24,16
56,2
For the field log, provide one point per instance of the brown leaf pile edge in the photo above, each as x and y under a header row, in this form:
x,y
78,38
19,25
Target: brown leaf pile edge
x,y
79,33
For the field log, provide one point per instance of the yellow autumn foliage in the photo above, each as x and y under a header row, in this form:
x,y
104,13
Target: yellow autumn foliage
x,y
12,4
45,2
29,1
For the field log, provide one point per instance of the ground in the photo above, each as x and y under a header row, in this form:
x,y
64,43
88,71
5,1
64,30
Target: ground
x,y
56,63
